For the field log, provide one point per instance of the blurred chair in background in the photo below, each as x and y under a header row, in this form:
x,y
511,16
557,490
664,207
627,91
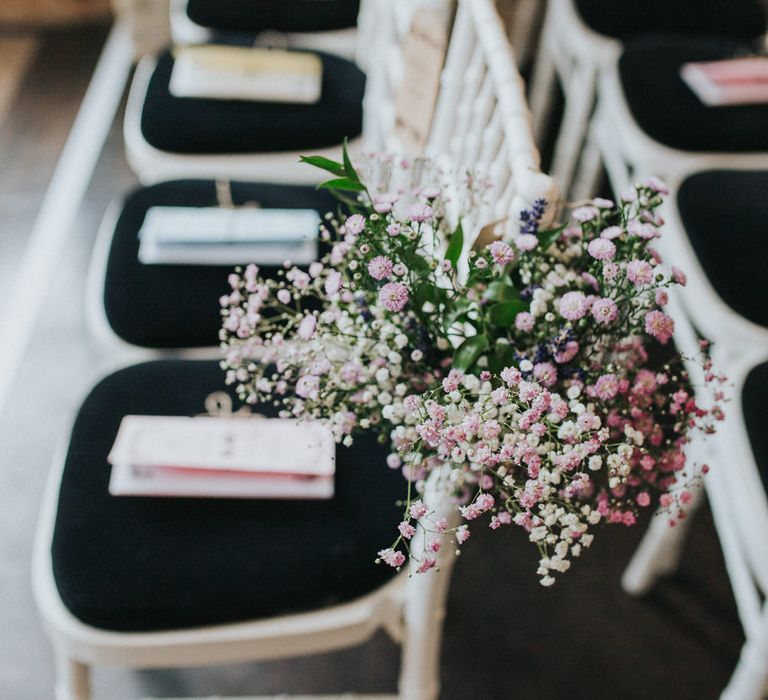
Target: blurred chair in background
x,y
580,37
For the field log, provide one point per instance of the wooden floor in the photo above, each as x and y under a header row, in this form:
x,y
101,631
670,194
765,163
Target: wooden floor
x,y
505,636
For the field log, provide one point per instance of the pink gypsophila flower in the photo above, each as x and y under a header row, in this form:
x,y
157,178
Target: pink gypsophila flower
x,y
380,267
394,296
526,242
308,386
307,327
391,557
420,213
572,306
418,509
639,272
524,321
333,283
584,214
659,325
601,249
545,373
501,253
355,224
604,311
679,276
642,230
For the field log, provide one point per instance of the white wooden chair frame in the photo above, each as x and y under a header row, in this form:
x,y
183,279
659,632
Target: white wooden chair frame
x,y
629,155
154,165
569,50
389,20
482,120
736,494
342,42
409,609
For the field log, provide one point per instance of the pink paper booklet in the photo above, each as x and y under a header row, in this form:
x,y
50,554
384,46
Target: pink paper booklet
x,y
222,457
736,81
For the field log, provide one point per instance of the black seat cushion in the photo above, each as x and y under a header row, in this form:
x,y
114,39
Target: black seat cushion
x,y
133,564
622,19
171,306
203,126
724,214
669,112
753,398
255,16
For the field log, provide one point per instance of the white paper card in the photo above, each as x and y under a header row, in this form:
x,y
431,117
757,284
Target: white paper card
x,y
266,446
222,236
245,73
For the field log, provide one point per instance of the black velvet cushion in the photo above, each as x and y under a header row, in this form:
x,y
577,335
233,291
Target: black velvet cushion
x,y
753,402
171,306
669,112
724,214
282,15
622,19
200,126
131,564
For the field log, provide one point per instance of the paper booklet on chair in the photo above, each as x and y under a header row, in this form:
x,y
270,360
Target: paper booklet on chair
x,y
222,457
246,73
736,81
228,236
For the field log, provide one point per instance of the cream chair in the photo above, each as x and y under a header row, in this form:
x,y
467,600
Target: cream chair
x,y
336,33
714,231
581,38
127,581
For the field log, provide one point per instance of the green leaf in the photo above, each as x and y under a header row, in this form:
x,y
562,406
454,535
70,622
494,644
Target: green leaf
x,y
501,290
427,293
503,314
455,246
349,169
550,235
419,264
502,356
324,164
469,351
342,183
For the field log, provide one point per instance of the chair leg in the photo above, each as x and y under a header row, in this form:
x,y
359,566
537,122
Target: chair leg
x,y
659,551
579,101
587,178
73,679
424,610
748,681
542,85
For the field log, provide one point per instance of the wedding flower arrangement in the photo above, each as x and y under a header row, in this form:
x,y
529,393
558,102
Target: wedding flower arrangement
x,y
518,372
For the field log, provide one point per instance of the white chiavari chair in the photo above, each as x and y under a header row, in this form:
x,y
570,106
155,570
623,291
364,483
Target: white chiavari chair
x,y
410,609
150,100
341,40
739,333
580,39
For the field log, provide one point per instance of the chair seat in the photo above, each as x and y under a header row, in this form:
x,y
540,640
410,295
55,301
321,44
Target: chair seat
x,y
171,306
188,125
724,215
280,15
141,564
668,111
622,19
753,399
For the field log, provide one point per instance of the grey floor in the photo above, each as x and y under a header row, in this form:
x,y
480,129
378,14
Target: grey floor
x,y
505,636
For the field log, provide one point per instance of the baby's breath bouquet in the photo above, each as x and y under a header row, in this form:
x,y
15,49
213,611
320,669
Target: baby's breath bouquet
x,y
518,371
